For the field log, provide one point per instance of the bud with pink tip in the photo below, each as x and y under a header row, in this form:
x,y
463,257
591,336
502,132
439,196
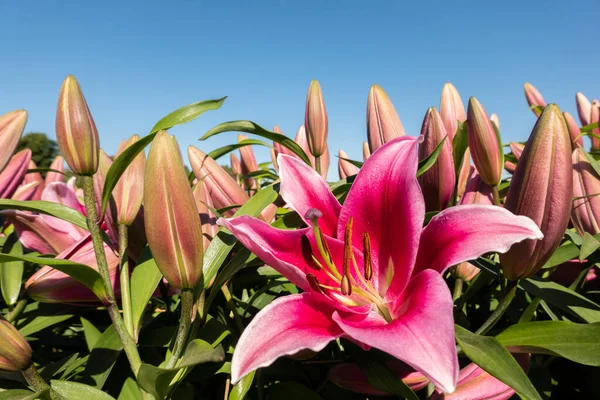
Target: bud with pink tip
x,y
484,144
383,122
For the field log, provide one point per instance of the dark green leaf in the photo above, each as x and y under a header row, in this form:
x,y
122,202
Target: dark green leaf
x,y
187,113
460,143
91,333
103,356
42,322
428,161
261,173
221,151
240,390
251,127
77,391
589,245
357,164
493,358
562,254
292,391
144,281
241,259
11,273
130,391
20,394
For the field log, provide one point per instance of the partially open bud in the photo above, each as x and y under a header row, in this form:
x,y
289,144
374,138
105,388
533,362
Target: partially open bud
x,y
170,215
438,182
585,214
129,192
584,108
366,151
534,99
452,109
76,132
248,163
541,189
15,352
315,120
595,117
383,122
221,187
11,129
574,131
345,168
485,145
12,176
58,164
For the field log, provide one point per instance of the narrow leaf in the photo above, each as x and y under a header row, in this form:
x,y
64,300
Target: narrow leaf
x,y
589,245
103,356
11,273
187,113
91,333
48,208
77,391
221,151
240,390
428,161
460,143
144,281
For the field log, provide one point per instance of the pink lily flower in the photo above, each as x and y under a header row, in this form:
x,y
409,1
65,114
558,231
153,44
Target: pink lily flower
x,y
369,270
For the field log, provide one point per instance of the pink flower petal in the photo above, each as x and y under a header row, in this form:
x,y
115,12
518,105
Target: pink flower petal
x,y
463,233
284,327
37,235
426,304
386,201
302,188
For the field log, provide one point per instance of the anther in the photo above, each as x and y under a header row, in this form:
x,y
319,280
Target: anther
x,y
346,286
367,256
313,214
313,282
307,253
347,246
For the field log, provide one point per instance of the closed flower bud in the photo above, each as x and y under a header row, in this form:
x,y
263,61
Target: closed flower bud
x,y
315,120
207,219
516,149
584,109
484,144
452,109
494,118
12,176
383,122
15,352
595,117
34,177
170,215
129,192
11,128
236,167
464,173
302,141
541,189
221,187
585,214
58,164
366,151
534,99
26,191
574,131
345,168
76,132
438,182
248,163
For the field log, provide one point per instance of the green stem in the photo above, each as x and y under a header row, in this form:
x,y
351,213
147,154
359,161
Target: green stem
x,y
16,310
318,164
124,277
458,288
231,306
500,310
38,383
496,195
185,321
129,345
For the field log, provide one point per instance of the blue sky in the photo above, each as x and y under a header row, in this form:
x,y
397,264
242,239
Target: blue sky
x,y
139,60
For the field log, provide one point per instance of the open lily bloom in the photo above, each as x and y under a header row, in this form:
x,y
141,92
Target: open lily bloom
x,y
369,270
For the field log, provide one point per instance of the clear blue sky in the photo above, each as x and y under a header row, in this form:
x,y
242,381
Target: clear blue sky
x,y
140,60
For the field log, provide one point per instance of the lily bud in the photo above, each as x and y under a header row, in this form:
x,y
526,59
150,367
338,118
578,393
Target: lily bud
x,y
383,122
248,163
12,176
438,182
76,132
541,189
26,191
31,177
207,219
585,214
464,173
534,99
221,187
345,168
452,109
129,192
516,149
58,164
302,141
494,118
15,352
11,129
109,218
366,151
595,117
584,109
484,144
236,166
574,130
315,120
170,215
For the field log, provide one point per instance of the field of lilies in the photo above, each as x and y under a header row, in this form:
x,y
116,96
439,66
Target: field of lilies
x,y
444,265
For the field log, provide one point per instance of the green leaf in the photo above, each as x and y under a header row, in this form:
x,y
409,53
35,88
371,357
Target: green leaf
x,y
11,273
180,116
223,242
261,173
590,127
460,143
221,151
82,273
103,356
130,390
563,298
428,161
577,342
144,281
42,322
357,164
240,390
589,245
492,357
91,333
251,127
48,208
77,391
595,164
241,259
21,394
292,391
562,254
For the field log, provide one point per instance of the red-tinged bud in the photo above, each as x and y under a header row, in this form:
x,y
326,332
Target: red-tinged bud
x,y
11,129
574,131
58,164
595,117
534,99
26,191
366,151
494,118
204,204
541,189
345,168
585,214
516,149
383,122
452,109
129,192
584,109
477,191
34,177
171,218
438,182
464,173
236,166
315,120
108,219
76,132
12,176
221,187
15,352
485,144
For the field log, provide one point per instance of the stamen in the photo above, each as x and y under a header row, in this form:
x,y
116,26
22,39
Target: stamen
x,y
313,282
326,251
307,253
367,256
346,286
313,214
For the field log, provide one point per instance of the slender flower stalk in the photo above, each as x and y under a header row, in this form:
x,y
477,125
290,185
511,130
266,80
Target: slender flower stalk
x,y
124,280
